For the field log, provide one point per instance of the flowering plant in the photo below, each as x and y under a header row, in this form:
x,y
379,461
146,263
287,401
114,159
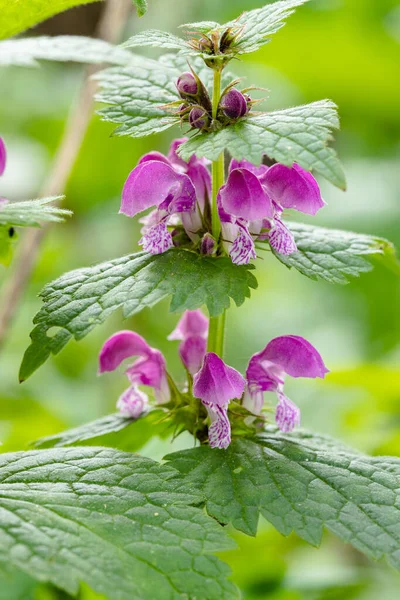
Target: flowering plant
x,y
220,197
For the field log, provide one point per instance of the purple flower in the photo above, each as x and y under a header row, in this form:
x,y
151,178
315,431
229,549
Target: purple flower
x,y
192,330
175,188
254,198
149,369
216,384
286,355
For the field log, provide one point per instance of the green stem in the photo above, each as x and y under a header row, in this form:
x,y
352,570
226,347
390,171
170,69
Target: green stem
x,y
216,332
217,165
216,335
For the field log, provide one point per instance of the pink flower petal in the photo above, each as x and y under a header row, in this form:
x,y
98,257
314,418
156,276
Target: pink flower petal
x,y
216,383
293,187
243,196
295,356
192,351
155,183
120,346
192,322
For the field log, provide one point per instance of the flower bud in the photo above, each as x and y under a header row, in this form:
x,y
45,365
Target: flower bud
x,y
199,118
187,85
207,244
229,39
234,104
205,45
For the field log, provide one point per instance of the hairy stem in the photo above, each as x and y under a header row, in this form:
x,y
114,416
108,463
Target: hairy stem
x,y
110,26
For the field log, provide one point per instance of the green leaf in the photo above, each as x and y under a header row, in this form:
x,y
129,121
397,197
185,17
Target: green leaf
x,y
257,27
78,301
26,51
121,523
201,26
303,485
335,256
259,24
136,93
299,134
19,15
31,213
113,430
141,6
154,38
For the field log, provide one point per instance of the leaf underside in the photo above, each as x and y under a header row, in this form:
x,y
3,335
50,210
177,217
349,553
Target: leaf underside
x,y
25,52
121,523
78,301
31,213
300,483
335,256
114,431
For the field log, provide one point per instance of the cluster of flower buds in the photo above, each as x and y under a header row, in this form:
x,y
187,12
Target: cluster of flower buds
x,y
196,107
217,47
215,384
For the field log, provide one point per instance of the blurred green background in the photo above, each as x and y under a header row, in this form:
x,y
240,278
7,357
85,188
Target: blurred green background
x,y
346,50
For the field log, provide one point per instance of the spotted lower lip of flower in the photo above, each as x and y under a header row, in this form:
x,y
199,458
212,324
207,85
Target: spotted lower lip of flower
x,y
157,239
287,413
148,369
219,432
281,238
286,355
242,249
3,156
132,402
